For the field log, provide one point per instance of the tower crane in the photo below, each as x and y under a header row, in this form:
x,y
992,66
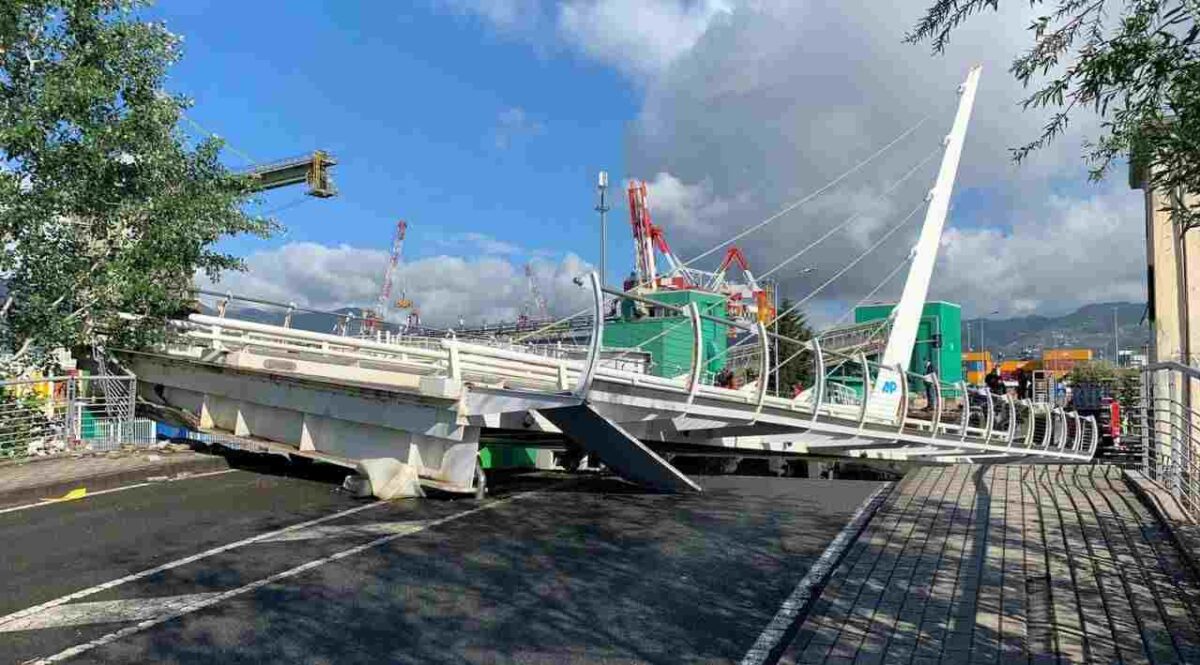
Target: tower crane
x,y
647,238
311,169
384,304
536,308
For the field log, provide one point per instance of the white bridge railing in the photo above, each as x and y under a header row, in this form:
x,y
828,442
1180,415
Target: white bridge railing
x,y
932,416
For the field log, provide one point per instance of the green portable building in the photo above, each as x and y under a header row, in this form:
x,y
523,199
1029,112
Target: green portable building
x,y
667,335
939,336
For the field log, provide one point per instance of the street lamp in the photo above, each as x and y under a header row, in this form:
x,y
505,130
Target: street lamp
x,y
982,343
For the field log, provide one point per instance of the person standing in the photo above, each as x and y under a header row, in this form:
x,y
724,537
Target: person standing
x,y
929,379
1022,383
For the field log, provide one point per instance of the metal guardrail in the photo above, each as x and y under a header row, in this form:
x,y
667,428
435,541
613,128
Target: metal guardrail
x,y
1162,432
844,392
43,416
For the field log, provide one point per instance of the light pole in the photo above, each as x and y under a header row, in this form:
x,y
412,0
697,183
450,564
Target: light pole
x,y
1116,340
982,343
602,208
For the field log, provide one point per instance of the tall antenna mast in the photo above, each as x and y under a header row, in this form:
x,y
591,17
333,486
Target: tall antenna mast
x,y
602,208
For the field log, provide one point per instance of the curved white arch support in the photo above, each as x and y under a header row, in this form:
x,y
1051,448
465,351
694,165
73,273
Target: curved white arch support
x,y
1077,442
937,404
584,385
764,344
693,311
1047,431
818,377
1060,434
866,395
1095,443
902,411
965,419
1030,424
1012,419
991,419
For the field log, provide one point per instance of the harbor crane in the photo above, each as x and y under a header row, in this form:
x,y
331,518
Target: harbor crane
x,y
311,169
383,304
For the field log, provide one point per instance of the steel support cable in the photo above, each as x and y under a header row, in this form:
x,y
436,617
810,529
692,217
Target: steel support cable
x,y
852,218
200,128
839,273
548,326
796,204
666,331
850,311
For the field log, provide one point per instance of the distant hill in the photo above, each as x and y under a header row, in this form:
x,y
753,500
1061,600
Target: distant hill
x,y
322,323
1090,326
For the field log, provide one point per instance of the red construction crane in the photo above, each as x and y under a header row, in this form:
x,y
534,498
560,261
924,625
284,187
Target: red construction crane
x,y
383,303
646,239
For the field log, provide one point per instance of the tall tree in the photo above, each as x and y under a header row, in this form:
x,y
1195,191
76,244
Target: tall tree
x,y
797,371
1133,62
105,207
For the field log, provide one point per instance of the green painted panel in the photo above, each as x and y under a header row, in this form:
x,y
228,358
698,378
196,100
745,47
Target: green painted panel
x,y
667,336
939,336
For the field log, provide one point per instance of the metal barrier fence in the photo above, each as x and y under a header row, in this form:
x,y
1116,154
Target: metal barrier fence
x,y
43,416
1161,431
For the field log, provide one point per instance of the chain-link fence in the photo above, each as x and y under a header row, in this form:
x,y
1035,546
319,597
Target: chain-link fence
x,y
43,416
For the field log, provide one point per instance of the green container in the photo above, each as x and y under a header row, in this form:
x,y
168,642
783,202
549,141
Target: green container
x,y
667,335
507,457
939,337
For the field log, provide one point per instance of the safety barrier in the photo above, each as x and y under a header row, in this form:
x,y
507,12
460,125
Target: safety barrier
x,y
42,416
843,391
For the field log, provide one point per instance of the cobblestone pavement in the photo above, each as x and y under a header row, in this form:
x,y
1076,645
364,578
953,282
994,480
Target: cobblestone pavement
x,y
1007,564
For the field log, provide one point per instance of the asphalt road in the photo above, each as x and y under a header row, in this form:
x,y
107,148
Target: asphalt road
x,y
593,571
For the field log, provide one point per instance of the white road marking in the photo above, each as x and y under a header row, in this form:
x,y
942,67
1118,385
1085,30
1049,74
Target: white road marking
x,y
349,530
51,502
63,600
770,639
200,604
105,611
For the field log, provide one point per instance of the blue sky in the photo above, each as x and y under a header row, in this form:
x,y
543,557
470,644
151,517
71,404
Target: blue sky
x,y
432,118
484,122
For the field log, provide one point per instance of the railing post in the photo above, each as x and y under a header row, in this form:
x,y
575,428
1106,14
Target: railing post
x,y
866,397
965,420
938,404
902,412
584,386
764,368
1173,393
818,377
1148,439
694,377
287,317
453,361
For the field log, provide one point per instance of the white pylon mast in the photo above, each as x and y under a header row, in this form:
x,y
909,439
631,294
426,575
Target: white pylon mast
x,y
907,315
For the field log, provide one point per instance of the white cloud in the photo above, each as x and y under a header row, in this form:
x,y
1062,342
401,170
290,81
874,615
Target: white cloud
x,y
1052,257
444,288
638,37
750,104
486,244
504,14
514,124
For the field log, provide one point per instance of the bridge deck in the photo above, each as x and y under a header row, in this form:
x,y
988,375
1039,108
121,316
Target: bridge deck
x,y
1007,564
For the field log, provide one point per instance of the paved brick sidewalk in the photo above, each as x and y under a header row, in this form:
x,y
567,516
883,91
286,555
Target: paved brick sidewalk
x,y
35,479
1007,564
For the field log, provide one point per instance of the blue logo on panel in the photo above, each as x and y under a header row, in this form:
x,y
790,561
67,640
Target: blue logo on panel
x,y
889,387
